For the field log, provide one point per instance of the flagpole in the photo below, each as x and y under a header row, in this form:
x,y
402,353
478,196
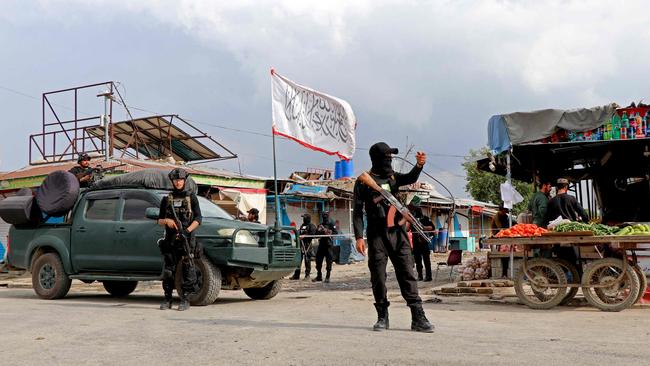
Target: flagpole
x,y
275,184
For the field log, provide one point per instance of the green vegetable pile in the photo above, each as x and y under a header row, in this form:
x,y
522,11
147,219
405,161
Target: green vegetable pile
x,y
638,229
597,229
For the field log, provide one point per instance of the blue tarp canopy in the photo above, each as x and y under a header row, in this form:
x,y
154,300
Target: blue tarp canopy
x,y
507,130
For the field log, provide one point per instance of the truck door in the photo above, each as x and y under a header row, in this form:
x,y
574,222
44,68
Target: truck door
x,y
136,236
93,232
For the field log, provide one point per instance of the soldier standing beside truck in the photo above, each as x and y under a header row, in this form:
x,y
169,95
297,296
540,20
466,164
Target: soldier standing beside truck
x,y
180,214
307,228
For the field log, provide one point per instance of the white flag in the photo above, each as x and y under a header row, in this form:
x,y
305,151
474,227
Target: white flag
x,y
316,120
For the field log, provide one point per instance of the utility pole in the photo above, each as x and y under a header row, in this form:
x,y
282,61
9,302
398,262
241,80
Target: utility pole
x,y
108,95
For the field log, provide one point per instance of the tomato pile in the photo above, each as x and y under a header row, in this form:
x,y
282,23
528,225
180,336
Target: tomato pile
x,y
521,230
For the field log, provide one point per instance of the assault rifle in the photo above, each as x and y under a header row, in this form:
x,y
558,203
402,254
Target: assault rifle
x,y
181,237
97,173
395,206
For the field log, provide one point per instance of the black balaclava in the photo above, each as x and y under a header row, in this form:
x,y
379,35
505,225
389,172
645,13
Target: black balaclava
x,y
382,162
306,219
326,217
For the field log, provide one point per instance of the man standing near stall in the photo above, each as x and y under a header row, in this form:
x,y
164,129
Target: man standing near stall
x,y
386,242
564,205
568,208
539,203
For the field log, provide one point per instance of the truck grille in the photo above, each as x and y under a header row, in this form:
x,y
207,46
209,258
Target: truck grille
x,y
283,255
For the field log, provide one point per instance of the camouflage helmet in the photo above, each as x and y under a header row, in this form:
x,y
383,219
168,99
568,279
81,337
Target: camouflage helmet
x,y
178,173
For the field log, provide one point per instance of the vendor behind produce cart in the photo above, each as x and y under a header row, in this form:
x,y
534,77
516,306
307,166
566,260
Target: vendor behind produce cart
x,y
568,208
564,205
500,220
539,203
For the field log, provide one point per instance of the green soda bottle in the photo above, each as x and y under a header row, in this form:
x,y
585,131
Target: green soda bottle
x,y
616,121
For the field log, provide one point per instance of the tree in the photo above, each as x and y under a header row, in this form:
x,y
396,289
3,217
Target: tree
x,y
484,186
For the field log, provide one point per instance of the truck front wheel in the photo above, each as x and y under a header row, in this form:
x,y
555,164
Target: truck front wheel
x,y
120,288
48,277
209,282
264,293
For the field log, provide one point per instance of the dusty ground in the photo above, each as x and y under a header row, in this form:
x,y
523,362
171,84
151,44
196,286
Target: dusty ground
x,y
308,324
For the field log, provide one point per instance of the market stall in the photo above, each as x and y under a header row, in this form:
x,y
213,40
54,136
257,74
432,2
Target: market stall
x,y
604,152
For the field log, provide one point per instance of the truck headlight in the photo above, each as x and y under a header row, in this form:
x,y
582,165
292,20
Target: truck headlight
x,y
243,237
246,237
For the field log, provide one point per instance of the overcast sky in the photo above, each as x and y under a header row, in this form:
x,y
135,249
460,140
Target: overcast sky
x,y
430,73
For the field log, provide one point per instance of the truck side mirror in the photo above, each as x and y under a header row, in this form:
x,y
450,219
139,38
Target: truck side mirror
x,y
152,213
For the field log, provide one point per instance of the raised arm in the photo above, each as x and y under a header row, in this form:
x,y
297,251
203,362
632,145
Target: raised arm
x,y
412,176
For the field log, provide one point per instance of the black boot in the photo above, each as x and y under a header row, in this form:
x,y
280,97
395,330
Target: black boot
x,y
419,321
296,275
306,275
185,304
382,318
419,275
327,277
167,303
428,277
319,277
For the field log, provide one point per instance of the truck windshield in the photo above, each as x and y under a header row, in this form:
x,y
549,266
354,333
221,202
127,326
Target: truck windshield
x,y
210,209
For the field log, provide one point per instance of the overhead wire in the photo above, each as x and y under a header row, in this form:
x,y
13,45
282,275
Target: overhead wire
x,y
122,102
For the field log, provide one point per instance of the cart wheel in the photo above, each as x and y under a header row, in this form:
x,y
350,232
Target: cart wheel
x,y
572,277
533,289
615,296
643,282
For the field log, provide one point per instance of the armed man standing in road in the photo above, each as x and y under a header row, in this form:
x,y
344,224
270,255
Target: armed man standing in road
x,y
421,251
386,242
180,214
307,228
83,171
327,227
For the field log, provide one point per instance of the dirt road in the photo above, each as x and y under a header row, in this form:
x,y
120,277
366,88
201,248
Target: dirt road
x,y
309,324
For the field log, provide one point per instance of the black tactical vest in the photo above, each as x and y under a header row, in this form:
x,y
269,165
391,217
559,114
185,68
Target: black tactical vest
x,y
183,208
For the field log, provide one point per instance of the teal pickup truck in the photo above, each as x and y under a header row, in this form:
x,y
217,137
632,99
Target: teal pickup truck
x,y
111,236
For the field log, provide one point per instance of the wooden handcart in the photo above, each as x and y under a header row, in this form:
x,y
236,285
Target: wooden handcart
x,y
608,283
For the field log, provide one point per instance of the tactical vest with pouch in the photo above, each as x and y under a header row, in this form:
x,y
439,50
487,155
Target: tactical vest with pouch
x,y
183,208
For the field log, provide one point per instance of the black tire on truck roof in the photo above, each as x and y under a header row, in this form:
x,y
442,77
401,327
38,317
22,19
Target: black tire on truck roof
x,y
58,193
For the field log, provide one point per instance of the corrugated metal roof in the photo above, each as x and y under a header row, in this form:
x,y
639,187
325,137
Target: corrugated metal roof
x,y
157,137
130,165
